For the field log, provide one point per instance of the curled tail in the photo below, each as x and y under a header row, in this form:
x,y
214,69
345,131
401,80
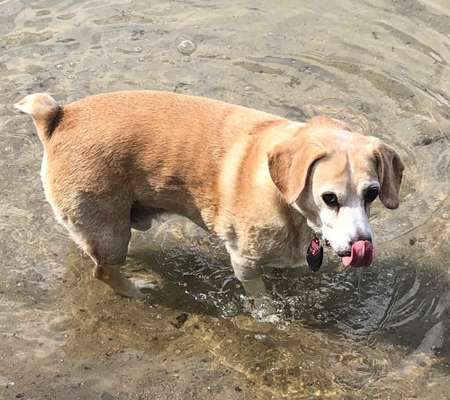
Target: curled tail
x,y
44,110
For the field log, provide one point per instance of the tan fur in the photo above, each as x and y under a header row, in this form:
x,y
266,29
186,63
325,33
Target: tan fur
x,y
390,172
235,171
290,162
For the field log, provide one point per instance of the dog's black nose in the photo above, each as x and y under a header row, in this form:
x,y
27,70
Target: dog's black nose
x,y
347,253
361,238
344,253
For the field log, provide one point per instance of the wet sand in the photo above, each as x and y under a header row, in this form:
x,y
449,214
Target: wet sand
x,y
381,66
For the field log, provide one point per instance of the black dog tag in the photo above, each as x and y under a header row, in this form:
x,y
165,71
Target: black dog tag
x,y
314,255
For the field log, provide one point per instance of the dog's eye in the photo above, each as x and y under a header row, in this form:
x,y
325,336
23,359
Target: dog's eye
x,y
371,194
330,199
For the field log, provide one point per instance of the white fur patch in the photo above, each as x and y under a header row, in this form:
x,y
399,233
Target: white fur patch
x,y
295,125
25,105
36,104
47,190
348,225
74,232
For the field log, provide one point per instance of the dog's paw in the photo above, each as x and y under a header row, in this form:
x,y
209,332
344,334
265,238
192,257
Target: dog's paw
x,y
262,309
144,286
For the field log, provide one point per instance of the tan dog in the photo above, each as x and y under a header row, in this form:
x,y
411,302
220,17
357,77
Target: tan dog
x,y
114,161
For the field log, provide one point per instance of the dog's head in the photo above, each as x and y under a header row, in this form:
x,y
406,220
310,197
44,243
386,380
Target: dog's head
x,y
332,176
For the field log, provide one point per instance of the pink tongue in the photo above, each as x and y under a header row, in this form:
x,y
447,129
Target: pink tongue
x,y
362,254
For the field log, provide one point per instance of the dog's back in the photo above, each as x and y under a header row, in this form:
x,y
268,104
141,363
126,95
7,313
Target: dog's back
x,y
159,149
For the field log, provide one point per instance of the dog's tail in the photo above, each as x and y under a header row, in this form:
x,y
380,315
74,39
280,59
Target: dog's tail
x,y
44,110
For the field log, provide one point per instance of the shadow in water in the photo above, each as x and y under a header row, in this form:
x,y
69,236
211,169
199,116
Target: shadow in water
x,y
395,302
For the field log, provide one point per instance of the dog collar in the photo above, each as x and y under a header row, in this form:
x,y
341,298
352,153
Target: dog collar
x,y
314,254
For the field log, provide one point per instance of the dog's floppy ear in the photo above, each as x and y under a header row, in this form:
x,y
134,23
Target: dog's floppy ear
x,y
290,163
390,172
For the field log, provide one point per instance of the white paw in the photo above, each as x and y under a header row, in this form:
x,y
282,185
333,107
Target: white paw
x,y
143,285
262,309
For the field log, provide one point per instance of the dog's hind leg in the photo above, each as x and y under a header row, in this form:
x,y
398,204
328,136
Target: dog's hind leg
x,y
104,237
109,252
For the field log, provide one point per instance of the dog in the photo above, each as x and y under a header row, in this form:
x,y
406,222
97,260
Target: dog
x,y
265,185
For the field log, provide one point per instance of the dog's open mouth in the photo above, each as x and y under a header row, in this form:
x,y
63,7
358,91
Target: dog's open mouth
x,y
361,255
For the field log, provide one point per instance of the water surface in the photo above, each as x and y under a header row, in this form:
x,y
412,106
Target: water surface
x,y
381,333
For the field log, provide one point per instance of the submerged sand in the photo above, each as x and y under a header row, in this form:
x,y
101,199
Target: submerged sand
x,y
381,66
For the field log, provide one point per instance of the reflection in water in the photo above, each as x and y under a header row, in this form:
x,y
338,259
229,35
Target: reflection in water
x,y
380,66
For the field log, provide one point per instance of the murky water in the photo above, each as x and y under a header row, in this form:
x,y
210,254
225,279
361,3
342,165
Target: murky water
x,y
381,333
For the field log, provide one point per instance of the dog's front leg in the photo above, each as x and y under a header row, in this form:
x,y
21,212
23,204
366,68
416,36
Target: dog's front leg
x,y
254,287
248,272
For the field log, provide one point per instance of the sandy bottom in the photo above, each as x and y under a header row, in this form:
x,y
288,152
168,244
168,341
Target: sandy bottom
x,y
381,66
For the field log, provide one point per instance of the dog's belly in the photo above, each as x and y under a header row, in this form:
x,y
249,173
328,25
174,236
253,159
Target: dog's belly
x,y
141,217
149,203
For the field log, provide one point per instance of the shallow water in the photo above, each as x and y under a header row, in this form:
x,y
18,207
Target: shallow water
x,y
378,333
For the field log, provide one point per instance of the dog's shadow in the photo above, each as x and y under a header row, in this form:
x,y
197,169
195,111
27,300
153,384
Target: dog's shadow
x,y
191,270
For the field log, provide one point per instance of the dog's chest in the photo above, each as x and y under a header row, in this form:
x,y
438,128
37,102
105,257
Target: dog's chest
x,y
290,254
281,247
